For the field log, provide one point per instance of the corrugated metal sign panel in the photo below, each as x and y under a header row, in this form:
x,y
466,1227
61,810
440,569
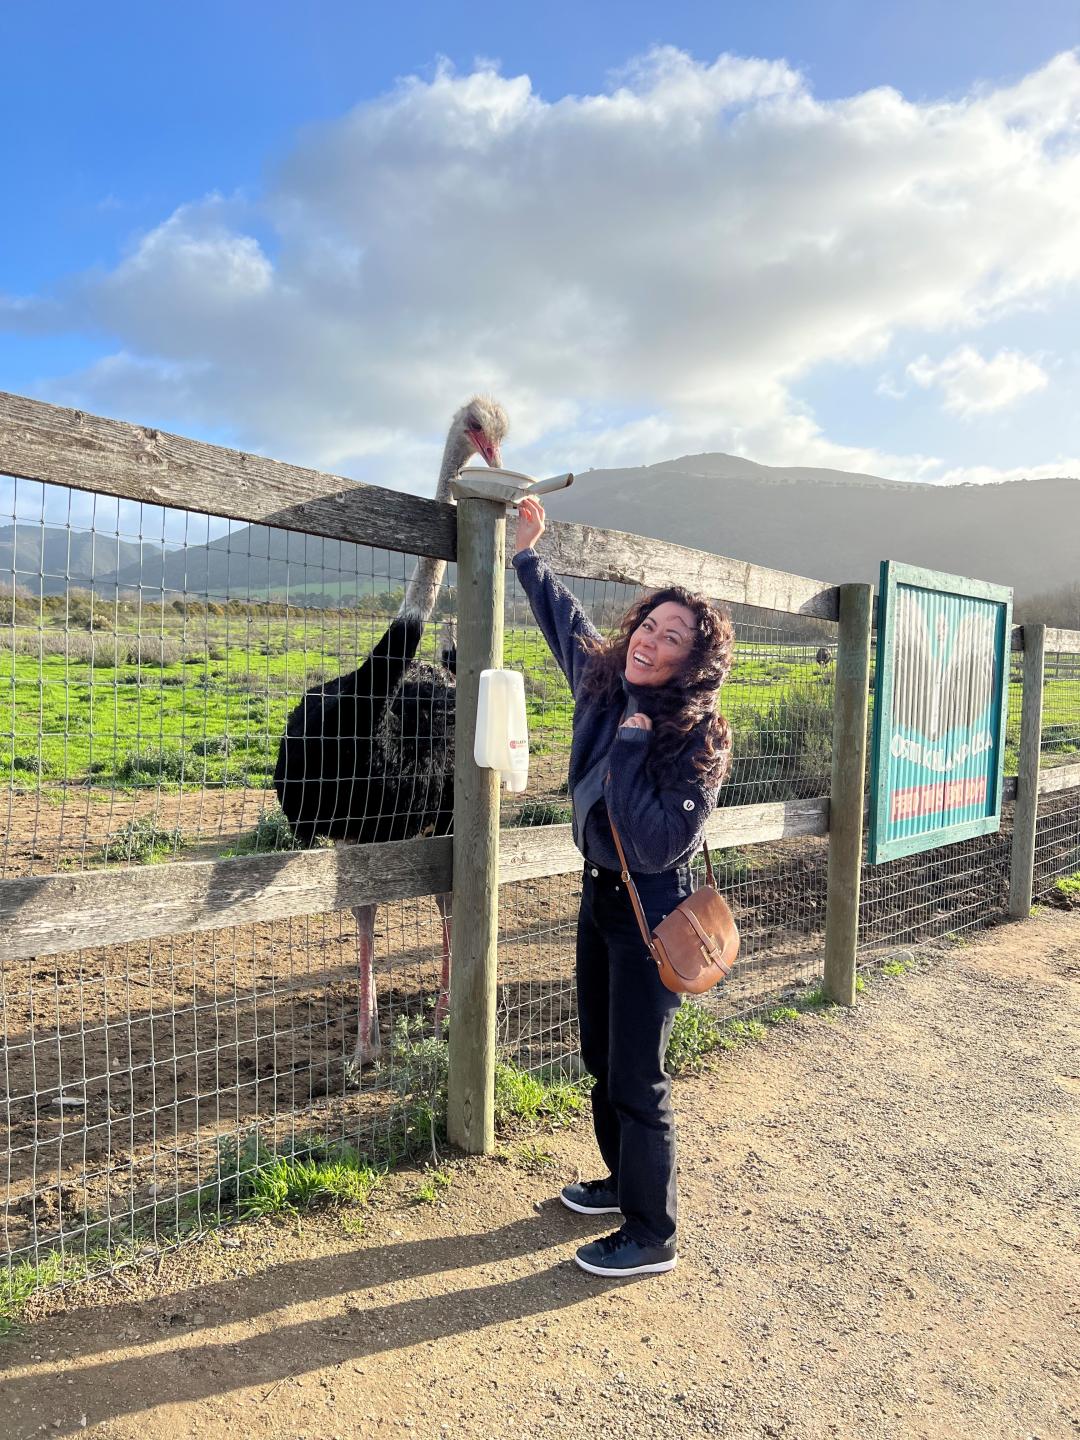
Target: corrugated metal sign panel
x,y
940,707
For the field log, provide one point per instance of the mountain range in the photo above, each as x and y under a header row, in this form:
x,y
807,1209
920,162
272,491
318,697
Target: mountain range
x,y
836,525
829,524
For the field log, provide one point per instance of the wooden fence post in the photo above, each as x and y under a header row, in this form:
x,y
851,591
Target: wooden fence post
x,y
481,546
1022,863
848,787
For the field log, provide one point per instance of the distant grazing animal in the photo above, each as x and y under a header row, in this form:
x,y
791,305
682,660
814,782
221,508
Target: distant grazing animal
x,y
823,657
370,756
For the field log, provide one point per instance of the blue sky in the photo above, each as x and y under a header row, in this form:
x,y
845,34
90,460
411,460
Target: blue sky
x,y
313,230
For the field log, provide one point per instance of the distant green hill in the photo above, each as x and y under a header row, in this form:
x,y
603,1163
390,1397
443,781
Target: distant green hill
x,y
52,558
252,563
258,563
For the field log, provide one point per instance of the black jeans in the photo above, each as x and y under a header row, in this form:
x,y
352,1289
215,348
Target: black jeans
x,y
625,1015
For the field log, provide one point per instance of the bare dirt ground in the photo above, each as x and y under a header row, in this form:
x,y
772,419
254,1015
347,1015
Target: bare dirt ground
x,y
880,1238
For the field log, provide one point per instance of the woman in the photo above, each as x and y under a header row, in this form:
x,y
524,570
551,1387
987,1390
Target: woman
x,y
649,752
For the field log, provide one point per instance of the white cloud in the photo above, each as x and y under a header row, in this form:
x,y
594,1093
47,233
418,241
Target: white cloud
x,y
637,274
974,386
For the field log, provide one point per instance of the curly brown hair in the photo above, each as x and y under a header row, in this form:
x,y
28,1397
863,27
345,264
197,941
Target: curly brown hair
x,y
688,703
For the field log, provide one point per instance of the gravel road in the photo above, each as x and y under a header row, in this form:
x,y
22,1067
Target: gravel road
x,y
881,1238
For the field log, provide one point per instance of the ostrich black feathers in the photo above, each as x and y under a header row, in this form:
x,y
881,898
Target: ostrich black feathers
x,y
370,756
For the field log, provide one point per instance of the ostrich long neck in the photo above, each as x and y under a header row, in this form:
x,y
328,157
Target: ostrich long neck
x,y
423,586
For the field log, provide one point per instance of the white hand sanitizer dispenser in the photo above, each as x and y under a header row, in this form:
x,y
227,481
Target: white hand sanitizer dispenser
x,y
502,730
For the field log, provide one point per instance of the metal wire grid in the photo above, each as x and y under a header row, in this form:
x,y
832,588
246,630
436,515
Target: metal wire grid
x,y
137,1077
1060,740
150,658
229,1030
779,703
537,1009
934,893
1057,829
1057,841
777,893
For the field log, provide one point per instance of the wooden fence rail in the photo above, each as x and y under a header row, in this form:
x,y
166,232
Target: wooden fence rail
x,y
110,457
52,914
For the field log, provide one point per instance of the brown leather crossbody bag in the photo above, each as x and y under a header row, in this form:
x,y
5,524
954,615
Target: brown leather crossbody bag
x,y
695,945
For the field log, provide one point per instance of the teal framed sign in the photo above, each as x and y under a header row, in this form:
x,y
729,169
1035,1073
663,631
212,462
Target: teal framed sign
x,y
941,696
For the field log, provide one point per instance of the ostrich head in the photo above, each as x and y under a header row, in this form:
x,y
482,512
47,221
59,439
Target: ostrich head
x,y
478,428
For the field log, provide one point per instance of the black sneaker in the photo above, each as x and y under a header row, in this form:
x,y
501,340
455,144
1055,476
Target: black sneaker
x,y
620,1254
591,1197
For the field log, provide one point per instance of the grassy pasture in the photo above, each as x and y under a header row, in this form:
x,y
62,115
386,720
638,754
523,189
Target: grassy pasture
x,y
206,706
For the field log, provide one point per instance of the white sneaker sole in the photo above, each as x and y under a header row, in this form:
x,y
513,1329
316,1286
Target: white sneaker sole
x,y
589,1209
658,1269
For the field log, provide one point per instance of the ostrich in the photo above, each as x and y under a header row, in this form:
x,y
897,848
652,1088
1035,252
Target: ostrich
x,y
370,756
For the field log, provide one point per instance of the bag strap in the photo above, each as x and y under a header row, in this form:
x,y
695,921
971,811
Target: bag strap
x,y
628,881
709,876
635,898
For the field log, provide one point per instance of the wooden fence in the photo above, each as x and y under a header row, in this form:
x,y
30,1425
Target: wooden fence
x,y
52,913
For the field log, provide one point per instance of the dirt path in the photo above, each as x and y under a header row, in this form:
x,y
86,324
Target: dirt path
x,y
881,1238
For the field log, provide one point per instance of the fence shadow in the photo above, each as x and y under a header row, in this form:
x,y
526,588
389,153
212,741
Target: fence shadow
x,y
111,1389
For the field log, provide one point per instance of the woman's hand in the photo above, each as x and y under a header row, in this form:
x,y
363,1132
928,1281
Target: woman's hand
x,y
637,722
530,525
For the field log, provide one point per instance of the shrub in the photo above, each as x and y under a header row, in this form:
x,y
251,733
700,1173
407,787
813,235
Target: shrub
x,y
540,812
417,1070
29,764
151,766
17,606
783,752
522,1097
538,686
213,745
1060,739
271,833
731,865
139,842
150,650
694,1033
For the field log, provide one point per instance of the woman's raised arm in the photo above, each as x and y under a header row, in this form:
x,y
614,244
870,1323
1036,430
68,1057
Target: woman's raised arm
x,y
562,620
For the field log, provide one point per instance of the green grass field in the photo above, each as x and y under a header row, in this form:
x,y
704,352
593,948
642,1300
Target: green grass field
x,y
208,708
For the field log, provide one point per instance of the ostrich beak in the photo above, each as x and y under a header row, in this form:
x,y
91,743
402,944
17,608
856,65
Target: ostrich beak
x,y
488,449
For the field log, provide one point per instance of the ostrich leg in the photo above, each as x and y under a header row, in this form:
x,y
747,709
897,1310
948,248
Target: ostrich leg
x,y
442,1005
367,1040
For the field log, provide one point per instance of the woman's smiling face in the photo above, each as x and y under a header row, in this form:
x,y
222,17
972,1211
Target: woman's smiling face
x,y
659,647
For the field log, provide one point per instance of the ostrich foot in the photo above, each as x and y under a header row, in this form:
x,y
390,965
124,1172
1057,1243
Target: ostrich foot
x,y
368,1051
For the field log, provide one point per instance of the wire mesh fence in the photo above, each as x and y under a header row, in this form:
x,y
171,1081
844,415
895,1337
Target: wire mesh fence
x,y
145,1083
536,1024
1060,740
1057,845
152,661
779,703
1057,828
